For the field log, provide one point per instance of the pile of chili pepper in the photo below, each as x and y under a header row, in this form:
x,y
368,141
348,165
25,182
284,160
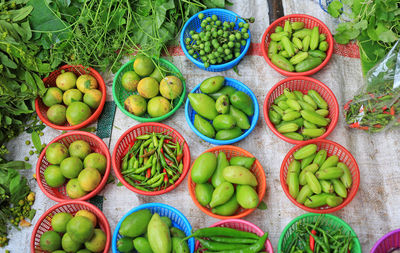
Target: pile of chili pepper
x,y
153,163
318,237
374,111
223,239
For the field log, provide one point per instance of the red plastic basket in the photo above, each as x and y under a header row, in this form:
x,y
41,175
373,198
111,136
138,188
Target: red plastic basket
x,y
50,81
129,138
44,222
310,22
241,225
257,169
332,148
59,194
303,84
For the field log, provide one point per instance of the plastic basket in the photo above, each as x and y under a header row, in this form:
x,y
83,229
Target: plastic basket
x,y
59,194
389,241
324,4
189,113
310,22
329,221
257,169
128,139
332,148
177,218
120,94
44,222
194,24
241,225
50,81
303,84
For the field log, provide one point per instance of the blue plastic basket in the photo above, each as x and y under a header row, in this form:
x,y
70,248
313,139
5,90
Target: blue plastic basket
x,y
177,218
189,113
194,24
324,4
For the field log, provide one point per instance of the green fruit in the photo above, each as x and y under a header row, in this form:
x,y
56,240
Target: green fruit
x,y
158,74
62,251
59,222
143,65
228,134
142,245
246,196
244,161
71,167
50,241
242,101
66,81
98,241
158,235
89,215
56,152
89,179
204,193
228,208
80,229
224,121
84,83
77,112
82,251
72,95
222,104
53,176
79,148
176,232
241,118
96,161
130,80
222,162
70,245
203,126
204,105
136,105
158,106
203,168
226,90
167,221
212,84
239,175
179,245
222,194
136,223
74,189
57,114
171,87
52,96
93,98
125,245
148,87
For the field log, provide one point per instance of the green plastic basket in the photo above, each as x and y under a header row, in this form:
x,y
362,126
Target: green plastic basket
x,y
120,94
328,221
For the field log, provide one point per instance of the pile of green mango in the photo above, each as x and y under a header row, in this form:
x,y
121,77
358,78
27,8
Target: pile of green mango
x,y
145,232
224,185
222,111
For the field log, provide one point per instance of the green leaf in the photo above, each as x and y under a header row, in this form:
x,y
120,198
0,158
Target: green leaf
x,y
388,36
335,8
16,165
341,38
22,13
37,143
119,184
7,61
363,24
262,206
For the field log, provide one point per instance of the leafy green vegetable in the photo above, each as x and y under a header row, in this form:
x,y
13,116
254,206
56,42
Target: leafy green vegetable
x,y
335,8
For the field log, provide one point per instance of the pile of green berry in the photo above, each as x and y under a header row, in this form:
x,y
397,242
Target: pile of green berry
x,y
218,42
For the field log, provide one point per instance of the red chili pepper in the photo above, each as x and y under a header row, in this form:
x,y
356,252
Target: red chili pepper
x,y
355,125
166,140
179,157
148,173
374,110
378,125
347,105
392,110
312,240
363,127
386,112
384,108
371,95
165,176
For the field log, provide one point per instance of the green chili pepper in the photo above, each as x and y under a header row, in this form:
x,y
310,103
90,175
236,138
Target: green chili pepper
x,y
155,179
158,183
219,246
143,137
155,140
222,231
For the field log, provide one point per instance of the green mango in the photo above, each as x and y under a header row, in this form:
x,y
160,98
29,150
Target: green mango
x,y
136,223
203,105
203,168
212,84
204,193
224,121
142,245
222,162
242,101
125,245
239,175
228,208
222,194
246,196
226,90
159,236
228,134
176,232
167,221
203,126
222,104
242,120
244,161
179,245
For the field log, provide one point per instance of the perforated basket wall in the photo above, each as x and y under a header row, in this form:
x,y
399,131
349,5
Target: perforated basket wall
x,y
388,242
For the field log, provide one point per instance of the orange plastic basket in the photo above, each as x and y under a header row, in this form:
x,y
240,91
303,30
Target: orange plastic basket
x,y
44,222
50,81
59,194
332,148
309,22
128,139
257,169
303,84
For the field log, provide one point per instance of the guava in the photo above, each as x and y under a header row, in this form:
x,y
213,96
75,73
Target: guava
x,y
77,112
130,80
52,96
92,98
72,95
66,81
57,114
86,82
171,87
136,105
158,106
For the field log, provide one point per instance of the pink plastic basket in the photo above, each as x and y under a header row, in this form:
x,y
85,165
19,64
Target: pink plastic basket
x,y
389,241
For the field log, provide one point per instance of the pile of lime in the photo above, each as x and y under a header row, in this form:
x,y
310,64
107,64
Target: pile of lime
x,y
74,234
77,164
146,82
73,99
